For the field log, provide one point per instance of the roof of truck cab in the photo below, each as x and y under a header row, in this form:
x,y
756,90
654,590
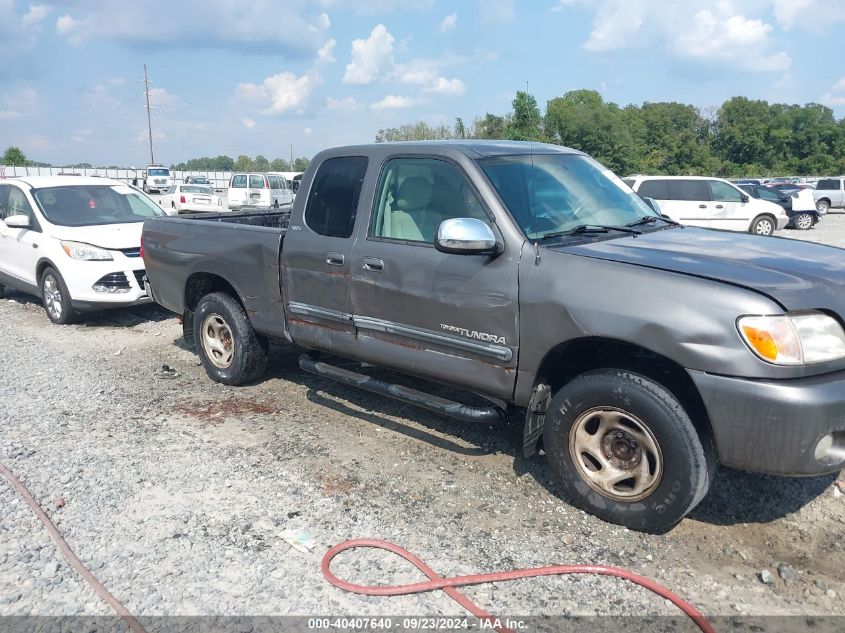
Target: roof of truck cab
x,y
471,147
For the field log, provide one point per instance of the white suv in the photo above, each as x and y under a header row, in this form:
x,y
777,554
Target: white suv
x,y
710,203
73,241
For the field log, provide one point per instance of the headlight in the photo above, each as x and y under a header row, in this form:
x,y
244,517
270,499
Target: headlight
x,y
794,339
78,250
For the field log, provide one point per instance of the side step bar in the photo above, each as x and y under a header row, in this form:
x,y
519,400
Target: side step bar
x,y
427,401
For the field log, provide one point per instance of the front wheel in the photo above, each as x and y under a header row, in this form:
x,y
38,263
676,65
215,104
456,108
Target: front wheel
x,y
803,221
823,206
228,346
763,225
623,448
56,298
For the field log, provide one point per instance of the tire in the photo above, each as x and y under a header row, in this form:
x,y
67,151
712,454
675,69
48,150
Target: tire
x,y
671,471
823,206
55,298
228,347
188,320
2,291
803,221
763,225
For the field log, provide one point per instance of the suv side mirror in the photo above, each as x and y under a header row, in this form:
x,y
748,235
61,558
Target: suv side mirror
x,y
744,197
20,221
466,236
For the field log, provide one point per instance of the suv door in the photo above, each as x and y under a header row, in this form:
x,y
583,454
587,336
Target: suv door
x,y
449,317
689,202
19,248
316,262
730,208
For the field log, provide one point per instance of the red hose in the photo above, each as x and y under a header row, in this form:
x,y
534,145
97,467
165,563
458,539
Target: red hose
x,y
448,584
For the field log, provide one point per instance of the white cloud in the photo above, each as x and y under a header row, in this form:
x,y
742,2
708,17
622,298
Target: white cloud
x,y
377,6
496,11
280,93
836,95
308,131
449,23
348,104
815,16
160,98
66,25
447,86
393,102
839,86
81,136
248,123
324,54
35,15
372,58
19,103
9,114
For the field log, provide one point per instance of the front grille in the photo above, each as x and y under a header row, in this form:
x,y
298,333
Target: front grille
x,y
139,277
113,281
131,252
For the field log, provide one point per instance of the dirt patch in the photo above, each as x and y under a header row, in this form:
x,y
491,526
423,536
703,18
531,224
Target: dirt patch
x,y
219,411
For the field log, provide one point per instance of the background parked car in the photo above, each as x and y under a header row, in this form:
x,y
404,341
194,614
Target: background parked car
x,y
746,181
798,204
187,198
74,241
710,203
829,194
255,190
283,187
197,180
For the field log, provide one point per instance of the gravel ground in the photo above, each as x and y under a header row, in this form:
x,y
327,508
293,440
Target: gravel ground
x,y
179,494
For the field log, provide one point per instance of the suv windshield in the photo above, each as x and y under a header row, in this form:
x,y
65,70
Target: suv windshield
x,y
158,172
551,194
90,205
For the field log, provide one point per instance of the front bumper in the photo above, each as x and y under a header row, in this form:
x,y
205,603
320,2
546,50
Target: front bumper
x,y
81,277
782,220
774,426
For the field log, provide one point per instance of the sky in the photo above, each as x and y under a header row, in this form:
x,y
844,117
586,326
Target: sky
x,y
257,77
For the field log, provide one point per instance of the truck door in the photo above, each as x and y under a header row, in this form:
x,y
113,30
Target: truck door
x,y
317,260
452,318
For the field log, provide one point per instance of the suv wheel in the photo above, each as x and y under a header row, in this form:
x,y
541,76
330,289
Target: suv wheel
x,y
823,206
803,221
763,225
623,448
228,347
56,298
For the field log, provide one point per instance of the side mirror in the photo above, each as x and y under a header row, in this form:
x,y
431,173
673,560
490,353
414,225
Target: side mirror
x,y
466,236
653,204
744,197
20,221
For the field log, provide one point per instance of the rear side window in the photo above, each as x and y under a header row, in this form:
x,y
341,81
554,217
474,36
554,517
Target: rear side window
x,y
274,182
723,192
828,185
239,181
257,182
692,190
333,199
768,194
657,189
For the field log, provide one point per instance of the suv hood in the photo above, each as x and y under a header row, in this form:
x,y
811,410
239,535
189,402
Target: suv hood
x,y
109,236
797,275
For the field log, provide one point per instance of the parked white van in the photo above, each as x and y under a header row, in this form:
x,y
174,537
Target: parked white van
x,y
285,189
710,203
258,190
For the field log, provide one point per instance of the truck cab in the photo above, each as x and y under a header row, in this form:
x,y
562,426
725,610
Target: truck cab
x,y
157,178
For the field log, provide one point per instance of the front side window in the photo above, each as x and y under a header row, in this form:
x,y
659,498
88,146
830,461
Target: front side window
x,y
767,194
553,193
91,205
257,182
723,192
17,204
274,182
689,190
828,185
333,199
416,194
239,181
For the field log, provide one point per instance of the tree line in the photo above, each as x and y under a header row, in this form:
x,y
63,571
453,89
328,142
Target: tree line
x,y
15,156
743,137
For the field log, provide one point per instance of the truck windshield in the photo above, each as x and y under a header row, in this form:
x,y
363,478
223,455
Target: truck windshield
x,y
551,194
91,205
158,172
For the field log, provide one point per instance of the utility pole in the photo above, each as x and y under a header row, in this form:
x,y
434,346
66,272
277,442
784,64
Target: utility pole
x,y
149,120
290,165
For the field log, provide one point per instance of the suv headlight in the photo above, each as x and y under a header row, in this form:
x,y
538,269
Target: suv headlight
x,y
794,339
78,250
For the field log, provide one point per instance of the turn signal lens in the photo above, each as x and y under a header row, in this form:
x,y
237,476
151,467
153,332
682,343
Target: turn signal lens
x,y
794,339
761,342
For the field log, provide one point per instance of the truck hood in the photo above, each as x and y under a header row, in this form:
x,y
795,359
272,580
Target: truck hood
x,y
797,275
109,236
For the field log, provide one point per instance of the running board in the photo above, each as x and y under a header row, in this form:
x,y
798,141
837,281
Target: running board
x,y
411,396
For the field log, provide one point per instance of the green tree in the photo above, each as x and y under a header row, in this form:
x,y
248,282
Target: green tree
x,y
279,164
261,164
14,156
526,122
460,130
419,131
490,126
300,164
243,163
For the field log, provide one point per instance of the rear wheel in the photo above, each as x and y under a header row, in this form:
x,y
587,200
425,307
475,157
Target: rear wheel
x,y
228,346
803,221
623,448
823,206
762,225
56,298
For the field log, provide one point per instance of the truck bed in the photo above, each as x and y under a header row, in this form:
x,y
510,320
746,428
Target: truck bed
x,y
267,217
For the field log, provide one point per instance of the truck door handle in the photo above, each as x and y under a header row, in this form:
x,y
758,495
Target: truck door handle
x,y
335,259
702,206
374,264
719,206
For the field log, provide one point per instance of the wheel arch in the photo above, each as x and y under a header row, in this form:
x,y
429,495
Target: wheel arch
x,y
42,265
569,359
200,284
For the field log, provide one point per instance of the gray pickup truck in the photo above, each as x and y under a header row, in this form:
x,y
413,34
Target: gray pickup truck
x,y
641,353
